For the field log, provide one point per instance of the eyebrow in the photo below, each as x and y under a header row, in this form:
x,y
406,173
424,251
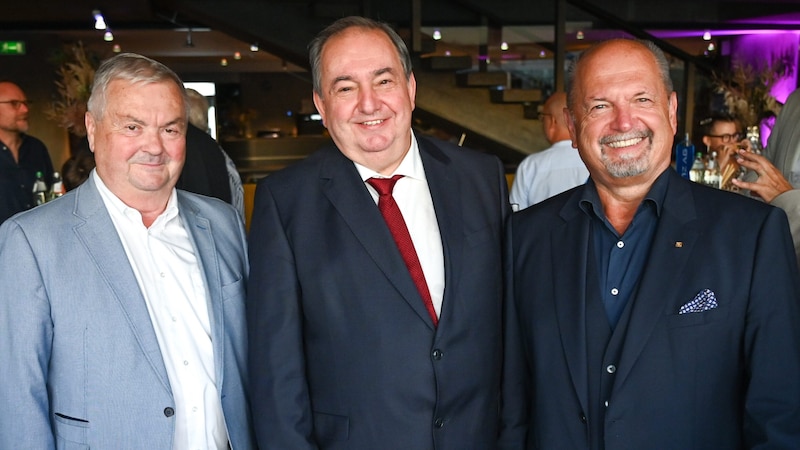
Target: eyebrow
x,y
375,73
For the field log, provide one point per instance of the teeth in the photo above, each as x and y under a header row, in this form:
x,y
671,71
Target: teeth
x,y
625,143
373,122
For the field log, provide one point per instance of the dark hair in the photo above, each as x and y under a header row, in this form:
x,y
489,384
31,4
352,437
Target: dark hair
x,y
343,24
708,123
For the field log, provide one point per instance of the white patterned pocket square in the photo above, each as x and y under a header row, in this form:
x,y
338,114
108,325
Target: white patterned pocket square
x,y
703,301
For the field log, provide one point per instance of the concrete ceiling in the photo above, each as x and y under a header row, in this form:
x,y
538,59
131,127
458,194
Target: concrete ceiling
x,y
220,28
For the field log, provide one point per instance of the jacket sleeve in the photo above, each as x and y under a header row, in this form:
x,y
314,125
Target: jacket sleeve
x,y
279,390
25,345
772,341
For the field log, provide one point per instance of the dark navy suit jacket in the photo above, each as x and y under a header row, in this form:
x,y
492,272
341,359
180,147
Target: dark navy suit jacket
x,y
725,378
343,354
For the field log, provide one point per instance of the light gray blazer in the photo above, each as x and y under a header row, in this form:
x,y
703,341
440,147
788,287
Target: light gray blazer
x,y
79,361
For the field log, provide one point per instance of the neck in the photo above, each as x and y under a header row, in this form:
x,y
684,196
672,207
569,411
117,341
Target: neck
x,y
620,204
13,140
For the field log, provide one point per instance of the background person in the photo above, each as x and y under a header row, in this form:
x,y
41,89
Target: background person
x,y
770,181
198,117
679,323
554,170
347,351
126,325
21,155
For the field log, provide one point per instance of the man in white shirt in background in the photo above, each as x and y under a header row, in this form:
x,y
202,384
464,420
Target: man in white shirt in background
x,y
554,170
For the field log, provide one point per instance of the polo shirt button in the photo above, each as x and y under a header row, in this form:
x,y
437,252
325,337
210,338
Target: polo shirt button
x,y
439,422
583,418
611,368
437,354
169,412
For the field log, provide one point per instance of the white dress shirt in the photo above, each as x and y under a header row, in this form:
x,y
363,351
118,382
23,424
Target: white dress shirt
x,y
413,197
547,173
172,283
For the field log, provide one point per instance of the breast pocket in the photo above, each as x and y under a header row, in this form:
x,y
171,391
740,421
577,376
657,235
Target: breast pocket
x,y
71,433
697,318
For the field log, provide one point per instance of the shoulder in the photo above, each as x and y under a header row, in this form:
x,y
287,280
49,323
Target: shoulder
x,y
207,206
448,153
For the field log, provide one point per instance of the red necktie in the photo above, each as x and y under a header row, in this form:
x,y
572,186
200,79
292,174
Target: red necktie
x,y
397,226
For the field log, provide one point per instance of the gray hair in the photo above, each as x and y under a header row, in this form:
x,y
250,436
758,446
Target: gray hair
x,y
661,62
133,68
198,109
343,24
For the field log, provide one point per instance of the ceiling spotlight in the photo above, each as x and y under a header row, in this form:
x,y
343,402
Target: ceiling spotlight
x,y
237,56
99,21
542,53
223,62
579,35
504,46
707,36
437,35
108,37
117,48
253,47
711,47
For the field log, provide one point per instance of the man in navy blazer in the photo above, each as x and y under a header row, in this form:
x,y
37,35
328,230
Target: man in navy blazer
x,y
648,311
344,353
122,302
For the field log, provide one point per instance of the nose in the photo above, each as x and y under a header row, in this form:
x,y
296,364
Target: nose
x,y
152,142
623,120
368,101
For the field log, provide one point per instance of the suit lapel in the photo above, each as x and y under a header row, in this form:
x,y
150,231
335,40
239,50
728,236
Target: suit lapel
x,y
570,304
98,235
342,185
676,235
447,197
199,230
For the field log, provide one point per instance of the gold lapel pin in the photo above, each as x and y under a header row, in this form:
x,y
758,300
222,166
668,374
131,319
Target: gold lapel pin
x,y
678,244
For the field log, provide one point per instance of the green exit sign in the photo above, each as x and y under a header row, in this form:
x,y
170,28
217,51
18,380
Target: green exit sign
x,y
12,48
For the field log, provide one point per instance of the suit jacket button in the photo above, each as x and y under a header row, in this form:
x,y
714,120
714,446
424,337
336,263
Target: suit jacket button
x,y
437,354
439,422
169,412
583,418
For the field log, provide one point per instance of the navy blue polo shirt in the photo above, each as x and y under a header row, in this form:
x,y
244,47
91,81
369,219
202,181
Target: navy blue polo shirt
x,y
16,178
620,259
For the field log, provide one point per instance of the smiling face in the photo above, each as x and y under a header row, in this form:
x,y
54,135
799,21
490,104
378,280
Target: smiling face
x,y
366,100
623,120
139,142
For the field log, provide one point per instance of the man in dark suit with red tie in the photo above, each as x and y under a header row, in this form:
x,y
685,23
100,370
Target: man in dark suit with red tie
x,y
376,281
677,325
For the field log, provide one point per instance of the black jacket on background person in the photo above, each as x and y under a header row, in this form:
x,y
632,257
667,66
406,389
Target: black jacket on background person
x,y
205,171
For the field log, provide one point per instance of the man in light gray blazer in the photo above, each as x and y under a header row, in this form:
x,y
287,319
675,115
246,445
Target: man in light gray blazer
x,y
122,303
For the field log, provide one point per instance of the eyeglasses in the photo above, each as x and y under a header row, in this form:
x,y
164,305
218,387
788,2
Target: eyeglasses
x,y
727,137
17,103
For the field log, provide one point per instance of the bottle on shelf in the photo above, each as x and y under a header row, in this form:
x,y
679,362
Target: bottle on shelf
x,y
39,189
57,190
684,152
698,168
712,176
